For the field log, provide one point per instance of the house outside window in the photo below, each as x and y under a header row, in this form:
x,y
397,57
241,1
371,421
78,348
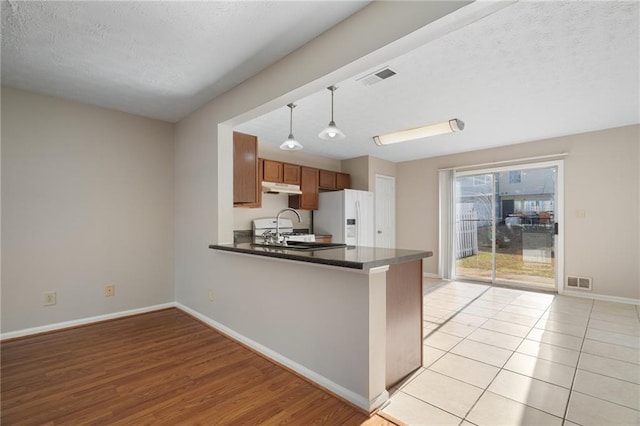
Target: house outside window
x,y
482,180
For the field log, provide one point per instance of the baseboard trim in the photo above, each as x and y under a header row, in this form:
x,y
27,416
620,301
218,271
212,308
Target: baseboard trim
x,y
342,392
83,321
379,401
603,297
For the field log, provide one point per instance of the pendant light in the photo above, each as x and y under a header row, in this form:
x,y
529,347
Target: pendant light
x,y
331,131
291,144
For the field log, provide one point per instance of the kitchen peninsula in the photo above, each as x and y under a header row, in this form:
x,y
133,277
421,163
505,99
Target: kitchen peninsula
x,y
348,318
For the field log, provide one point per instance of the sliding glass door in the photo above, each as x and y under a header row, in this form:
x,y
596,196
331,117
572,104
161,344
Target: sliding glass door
x,y
506,225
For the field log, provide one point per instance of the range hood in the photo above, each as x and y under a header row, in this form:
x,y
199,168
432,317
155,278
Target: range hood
x,y
277,188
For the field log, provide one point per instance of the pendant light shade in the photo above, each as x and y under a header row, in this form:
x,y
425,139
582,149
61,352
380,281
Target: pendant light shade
x,y
331,131
291,144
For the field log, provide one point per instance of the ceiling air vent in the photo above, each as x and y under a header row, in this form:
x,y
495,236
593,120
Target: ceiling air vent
x,y
377,76
580,283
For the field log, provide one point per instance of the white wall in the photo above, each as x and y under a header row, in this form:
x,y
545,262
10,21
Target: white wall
x,y
87,200
321,321
358,169
601,178
364,169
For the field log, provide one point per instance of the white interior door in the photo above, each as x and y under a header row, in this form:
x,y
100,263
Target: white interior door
x,y
385,216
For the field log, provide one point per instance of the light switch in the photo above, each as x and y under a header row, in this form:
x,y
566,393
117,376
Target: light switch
x,y
581,213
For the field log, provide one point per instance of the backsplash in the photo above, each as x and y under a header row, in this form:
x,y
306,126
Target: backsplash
x,y
271,205
242,236
246,236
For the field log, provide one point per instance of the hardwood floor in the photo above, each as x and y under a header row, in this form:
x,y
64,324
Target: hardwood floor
x,y
159,368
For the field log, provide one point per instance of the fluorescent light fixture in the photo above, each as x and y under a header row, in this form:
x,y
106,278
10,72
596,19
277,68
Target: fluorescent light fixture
x,y
450,126
331,131
291,144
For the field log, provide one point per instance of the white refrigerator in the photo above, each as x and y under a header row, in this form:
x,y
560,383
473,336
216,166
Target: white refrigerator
x,y
347,215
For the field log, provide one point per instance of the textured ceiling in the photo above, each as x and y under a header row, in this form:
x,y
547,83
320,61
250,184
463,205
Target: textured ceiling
x,y
157,59
530,71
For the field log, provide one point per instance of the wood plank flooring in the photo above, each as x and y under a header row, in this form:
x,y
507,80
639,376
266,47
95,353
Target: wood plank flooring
x,y
159,368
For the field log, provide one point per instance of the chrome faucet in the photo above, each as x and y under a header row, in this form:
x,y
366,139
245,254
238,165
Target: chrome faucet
x,y
278,221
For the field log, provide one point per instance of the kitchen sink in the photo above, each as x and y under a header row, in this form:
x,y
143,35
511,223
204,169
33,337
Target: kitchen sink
x,y
301,245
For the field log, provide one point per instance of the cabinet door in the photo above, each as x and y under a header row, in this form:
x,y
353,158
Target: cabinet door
x,y
291,174
245,169
308,200
258,202
327,179
343,181
272,171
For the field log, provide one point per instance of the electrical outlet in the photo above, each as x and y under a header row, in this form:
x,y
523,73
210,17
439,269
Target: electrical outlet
x,y
49,298
109,290
212,295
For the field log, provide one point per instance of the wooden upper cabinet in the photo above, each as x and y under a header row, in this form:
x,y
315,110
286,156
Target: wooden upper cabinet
x,y
276,171
258,202
291,173
331,181
272,171
343,181
245,169
327,179
308,200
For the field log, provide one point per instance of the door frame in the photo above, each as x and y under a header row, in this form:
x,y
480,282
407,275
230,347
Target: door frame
x,y
559,214
377,197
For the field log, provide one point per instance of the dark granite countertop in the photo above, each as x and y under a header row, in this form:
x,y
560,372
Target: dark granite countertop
x,y
354,257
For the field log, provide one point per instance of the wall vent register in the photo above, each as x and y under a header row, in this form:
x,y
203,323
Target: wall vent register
x,y
581,283
377,76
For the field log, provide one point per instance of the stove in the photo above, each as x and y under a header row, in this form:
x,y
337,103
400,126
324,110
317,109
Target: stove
x,y
286,229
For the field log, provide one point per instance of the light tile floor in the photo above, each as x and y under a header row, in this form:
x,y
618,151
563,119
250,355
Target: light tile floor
x,y
499,356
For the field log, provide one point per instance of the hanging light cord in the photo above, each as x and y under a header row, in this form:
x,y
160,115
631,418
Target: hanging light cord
x,y
331,132
291,107
332,90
